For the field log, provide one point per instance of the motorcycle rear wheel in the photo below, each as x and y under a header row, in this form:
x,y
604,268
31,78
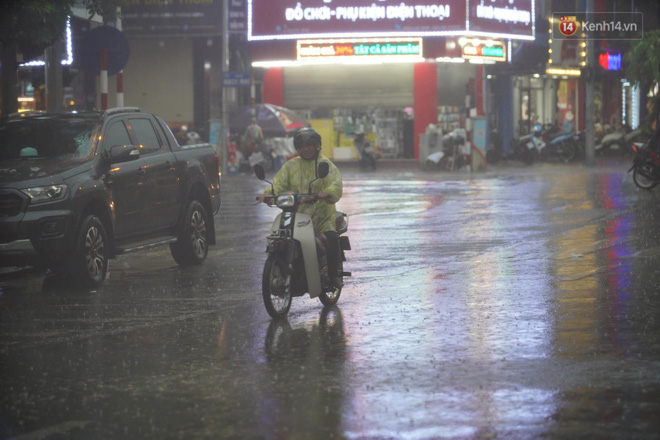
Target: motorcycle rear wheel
x,y
276,287
641,175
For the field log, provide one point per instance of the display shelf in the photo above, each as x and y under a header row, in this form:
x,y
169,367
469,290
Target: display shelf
x,y
449,118
387,137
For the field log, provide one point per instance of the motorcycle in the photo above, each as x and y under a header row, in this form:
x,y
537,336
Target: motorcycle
x,y
297,259
185,137
617,142
454,152
365,151
562,145
527,148
546,143
646,166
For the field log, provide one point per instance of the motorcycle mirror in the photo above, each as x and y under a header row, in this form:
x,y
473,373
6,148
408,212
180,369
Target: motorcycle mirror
x,y
259,172
324,169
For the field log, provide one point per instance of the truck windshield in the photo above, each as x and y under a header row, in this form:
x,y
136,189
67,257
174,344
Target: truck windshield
x,y
48,138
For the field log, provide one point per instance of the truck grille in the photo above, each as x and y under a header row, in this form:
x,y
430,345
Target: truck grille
x,y
11,204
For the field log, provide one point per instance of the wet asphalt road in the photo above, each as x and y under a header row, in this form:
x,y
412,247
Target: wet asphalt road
x,y
517,303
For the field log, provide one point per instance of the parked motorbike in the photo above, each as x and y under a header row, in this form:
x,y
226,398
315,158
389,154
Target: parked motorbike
x,y
527,148
560,145
262,156
365,151
453,153
185,137
546,143
297,259
617,142
646,166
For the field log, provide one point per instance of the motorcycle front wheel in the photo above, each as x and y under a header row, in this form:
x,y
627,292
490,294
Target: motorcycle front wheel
x,y
641,176
276,287
567,150
331,297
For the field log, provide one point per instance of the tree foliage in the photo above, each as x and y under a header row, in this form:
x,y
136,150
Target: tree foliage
x,y
32,25
643,67
29,27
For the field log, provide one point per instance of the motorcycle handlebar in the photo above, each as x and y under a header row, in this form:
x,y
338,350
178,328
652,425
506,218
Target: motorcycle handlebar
x,y
304,198
309,198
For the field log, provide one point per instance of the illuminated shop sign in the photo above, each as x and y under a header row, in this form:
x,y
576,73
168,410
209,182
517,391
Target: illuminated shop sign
x,y
502,18
610,61
486,50
179,17
350,48
306,19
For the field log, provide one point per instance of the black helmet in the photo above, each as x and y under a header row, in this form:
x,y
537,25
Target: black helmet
x,y
307,136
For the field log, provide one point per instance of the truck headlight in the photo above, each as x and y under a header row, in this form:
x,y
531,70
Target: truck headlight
x,y
286,201
43,194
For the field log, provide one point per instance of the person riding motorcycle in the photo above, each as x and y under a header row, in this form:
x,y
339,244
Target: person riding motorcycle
x,y
297,173
252,137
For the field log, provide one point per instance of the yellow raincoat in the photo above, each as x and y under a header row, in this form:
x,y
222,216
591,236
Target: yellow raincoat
x,y
296,174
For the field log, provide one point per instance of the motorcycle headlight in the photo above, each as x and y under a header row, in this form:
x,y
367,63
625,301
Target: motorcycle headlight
x,y
286,201
43,194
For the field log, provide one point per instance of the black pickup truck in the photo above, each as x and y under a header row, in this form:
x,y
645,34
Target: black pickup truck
x,y
78,189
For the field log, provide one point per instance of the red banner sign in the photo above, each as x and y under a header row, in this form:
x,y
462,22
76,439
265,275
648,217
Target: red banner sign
x,y
286,19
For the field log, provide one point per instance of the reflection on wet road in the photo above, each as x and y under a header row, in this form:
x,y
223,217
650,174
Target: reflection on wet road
x,y
520,303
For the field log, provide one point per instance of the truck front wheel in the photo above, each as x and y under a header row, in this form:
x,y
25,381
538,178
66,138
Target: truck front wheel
x,y
89,261
192,245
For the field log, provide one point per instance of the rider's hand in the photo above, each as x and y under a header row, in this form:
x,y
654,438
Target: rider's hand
x,y
265,198
323,195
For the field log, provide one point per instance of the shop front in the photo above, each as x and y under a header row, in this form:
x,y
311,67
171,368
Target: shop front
x,y
536,98
391,70
383,102
616,104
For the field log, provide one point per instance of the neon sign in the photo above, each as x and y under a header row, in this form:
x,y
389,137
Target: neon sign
x,y
486,50
610,61
360,47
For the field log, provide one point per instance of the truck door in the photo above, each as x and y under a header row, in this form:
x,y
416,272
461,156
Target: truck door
x,y
127,183
162,208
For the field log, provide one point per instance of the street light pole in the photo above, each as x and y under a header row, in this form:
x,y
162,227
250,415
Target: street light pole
x,y
589,95
225,68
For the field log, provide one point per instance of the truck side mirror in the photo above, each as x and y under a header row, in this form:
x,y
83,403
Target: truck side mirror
x,y
123,153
